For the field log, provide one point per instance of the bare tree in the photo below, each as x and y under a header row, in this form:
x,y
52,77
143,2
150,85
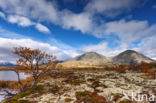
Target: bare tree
x,y
30,62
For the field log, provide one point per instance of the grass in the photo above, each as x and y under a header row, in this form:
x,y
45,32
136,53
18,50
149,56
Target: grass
x,y
27,92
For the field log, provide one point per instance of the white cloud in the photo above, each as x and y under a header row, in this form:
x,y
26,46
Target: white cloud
x,y
127,31
6,48
42,10
80,21
146,47
86,21
104,49
24,22
20,20
132,30
36,9
48,11
42,28
58,48
8,40
2,15
111,8
7,34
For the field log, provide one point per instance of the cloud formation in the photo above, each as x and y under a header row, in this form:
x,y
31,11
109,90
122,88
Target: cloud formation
x,y
7,45
42,28
7,34
104,49
2,15
146,47
132,30
43,10
20,20
111,8
24,22
9,40
128,31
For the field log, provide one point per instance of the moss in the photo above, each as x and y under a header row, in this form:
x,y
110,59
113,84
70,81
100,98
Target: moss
x,y
74,81
18,101
90,79
81,95
54,89
22,94
96,84
24,101
68,100
89,97
25,93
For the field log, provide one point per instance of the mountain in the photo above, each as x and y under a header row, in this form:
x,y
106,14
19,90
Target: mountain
x,y
89,59
6,64
131,57
89,56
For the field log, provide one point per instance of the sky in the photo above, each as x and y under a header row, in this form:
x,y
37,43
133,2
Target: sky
x,y
68,28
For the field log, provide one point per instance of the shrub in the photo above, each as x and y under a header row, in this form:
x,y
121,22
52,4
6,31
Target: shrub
x,y
68,100
89,97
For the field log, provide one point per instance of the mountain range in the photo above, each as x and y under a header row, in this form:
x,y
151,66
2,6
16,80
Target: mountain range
x,y
93,59
7,64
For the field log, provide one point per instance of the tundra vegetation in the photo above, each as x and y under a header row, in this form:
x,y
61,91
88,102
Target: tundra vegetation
x,y
78,85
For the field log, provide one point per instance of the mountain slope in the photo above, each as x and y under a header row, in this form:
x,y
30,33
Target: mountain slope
x,y
7,64
89,56
89,59
93,59
131,57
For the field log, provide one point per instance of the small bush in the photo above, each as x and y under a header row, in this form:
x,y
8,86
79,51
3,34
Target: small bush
x,y
89,97
68,100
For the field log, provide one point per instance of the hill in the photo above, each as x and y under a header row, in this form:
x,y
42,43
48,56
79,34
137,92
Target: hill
x,y
131,57
89,59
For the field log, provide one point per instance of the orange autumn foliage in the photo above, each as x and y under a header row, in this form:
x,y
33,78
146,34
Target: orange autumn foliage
x,y
30,61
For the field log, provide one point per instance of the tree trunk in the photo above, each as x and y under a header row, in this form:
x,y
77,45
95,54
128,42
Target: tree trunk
x,y
19,81
33,84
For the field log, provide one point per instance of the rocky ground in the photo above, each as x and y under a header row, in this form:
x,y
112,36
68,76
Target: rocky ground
x,y
91,86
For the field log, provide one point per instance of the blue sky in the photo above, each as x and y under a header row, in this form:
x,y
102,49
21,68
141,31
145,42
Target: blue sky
x,y
67,28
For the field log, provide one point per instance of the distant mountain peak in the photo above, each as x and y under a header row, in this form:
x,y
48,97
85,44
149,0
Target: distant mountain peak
x,y
6,64
89,56
131,57
88,59
93,59
130,51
